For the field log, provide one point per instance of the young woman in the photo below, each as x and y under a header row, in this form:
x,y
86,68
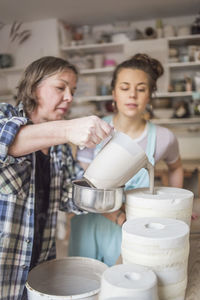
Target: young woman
x,y
133,84
37,167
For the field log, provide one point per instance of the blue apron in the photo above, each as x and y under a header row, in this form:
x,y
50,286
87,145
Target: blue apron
x,y
95,236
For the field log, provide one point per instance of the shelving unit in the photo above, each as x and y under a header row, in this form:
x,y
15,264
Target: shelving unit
x,y
182,42
160,49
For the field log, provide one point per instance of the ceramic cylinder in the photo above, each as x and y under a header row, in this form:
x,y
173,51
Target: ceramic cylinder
x,y
162,245
166,202
129,281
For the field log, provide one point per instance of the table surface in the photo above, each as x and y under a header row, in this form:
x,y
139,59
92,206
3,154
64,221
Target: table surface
x,y
193,287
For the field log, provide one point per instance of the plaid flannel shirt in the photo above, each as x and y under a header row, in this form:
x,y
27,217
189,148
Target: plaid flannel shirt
x,y
17,197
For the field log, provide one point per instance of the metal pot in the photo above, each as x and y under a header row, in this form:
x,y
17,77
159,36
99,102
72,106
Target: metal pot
x,y
96,200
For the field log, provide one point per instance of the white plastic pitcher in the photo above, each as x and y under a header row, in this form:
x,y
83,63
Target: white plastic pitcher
x,y
118,161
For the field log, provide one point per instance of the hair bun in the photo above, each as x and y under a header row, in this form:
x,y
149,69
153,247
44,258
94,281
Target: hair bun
x,y
155,65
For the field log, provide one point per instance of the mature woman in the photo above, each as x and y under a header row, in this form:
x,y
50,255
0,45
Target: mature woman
x,y
37,167
133,83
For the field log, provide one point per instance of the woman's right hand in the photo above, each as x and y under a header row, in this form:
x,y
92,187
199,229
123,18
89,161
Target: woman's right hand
x,y
87,131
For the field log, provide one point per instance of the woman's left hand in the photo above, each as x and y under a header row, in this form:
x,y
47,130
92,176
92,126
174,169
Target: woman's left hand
x,y
118,217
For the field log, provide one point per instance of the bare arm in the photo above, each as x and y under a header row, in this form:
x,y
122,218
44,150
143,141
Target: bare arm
x,y
31,138
87,132
175,174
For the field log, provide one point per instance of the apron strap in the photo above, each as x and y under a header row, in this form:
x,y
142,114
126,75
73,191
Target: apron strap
x,y
141,179
151,142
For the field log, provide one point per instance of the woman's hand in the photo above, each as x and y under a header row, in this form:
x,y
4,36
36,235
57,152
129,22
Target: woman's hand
x,y
87,131
118,216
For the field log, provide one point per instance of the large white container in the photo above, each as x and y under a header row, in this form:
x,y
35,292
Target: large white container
x,y
132,281
162,245
166,202
64,279
116,163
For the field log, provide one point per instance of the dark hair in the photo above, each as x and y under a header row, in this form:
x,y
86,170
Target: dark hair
x,y
34,74
140,61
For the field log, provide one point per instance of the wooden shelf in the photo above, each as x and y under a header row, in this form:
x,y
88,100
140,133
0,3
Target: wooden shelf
x,y
93,98
115,47
6,97
97,71
109,97
184,40
172,94
184,64
11,70
195,120
94,48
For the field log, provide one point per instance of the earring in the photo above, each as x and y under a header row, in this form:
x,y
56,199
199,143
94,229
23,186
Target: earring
x,y
114,106
149,107
148,112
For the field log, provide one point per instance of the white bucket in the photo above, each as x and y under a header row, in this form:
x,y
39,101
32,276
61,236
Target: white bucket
x,y
162,245
66,278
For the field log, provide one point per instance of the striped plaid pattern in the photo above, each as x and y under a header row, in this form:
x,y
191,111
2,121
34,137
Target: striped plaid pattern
x,y
17,195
